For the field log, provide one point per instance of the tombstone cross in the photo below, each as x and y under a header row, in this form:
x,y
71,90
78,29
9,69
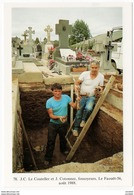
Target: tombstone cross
x,y
48,30
20,48
24,35
63,29
109,47
30,32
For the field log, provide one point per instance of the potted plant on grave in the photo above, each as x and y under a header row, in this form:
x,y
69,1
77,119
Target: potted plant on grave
x,y
51,64
79,56
50,50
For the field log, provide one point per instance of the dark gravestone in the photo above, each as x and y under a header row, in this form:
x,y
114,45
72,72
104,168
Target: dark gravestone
x,y
63,29
20,48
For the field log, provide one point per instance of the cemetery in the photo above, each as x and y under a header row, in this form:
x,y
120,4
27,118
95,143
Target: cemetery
x,y
35,67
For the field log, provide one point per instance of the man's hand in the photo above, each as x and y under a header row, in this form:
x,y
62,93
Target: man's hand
x,y
78,98
63,119
98,91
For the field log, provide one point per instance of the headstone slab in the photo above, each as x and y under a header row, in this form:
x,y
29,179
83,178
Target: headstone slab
x,y
63,29
27,49
66,52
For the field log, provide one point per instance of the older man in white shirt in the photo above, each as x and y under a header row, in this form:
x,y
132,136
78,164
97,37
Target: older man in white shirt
x,y
87,83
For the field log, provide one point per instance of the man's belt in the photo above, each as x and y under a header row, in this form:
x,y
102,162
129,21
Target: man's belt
x,y
84,95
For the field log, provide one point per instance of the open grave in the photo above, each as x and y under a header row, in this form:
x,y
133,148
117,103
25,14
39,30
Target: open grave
x,y
103,139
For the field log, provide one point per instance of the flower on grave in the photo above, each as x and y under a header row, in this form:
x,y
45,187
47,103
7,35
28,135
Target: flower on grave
x,y
79,56
51,61
51,64
89,58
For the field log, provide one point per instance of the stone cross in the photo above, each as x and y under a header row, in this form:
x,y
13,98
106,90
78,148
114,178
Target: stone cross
x,y
30,32
109,48
20,48
63,29
24,35
48,30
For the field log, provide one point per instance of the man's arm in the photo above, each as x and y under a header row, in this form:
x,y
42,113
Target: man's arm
x,y
51,115
78,82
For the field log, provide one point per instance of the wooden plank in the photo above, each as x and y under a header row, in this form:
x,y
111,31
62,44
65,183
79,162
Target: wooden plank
x,y
91,118
70,128
69,143
27,139
71,109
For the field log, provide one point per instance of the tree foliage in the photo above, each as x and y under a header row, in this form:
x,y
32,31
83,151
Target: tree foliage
x,y
45,40
56,43
80,32
37,40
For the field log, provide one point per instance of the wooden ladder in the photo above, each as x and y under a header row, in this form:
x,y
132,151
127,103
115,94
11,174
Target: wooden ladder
x,y
84,130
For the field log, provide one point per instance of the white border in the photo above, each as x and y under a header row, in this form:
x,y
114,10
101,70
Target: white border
x,y
127,60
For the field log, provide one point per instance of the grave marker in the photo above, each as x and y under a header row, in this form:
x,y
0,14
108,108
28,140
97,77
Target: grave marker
x,y
48,30
63,29
25,35
30,32
20,48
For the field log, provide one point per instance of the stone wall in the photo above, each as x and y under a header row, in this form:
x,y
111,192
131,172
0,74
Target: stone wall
x,y
107,129
17,138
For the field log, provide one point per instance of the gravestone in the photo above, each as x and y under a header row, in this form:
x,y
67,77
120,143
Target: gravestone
x,y
48,30
104,47
30,32
19,49
63,54
63,29
25,35
28,46
66,52
48,45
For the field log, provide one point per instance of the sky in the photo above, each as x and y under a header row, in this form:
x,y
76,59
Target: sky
x,y
98,19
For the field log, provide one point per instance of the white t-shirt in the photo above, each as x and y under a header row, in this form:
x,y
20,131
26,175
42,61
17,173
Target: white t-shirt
x,y
88,85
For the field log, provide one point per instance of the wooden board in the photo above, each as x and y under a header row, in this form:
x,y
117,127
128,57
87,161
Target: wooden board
x,y
90,119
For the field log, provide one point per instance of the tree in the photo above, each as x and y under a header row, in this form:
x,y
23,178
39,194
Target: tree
x,y
56,43
45,40
80,32
37,40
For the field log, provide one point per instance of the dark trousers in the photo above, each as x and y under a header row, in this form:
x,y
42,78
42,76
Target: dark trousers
x,y
53,130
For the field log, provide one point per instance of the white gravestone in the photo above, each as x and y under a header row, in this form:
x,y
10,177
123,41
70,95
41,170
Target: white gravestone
x,y
65,53
48,45
30,32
